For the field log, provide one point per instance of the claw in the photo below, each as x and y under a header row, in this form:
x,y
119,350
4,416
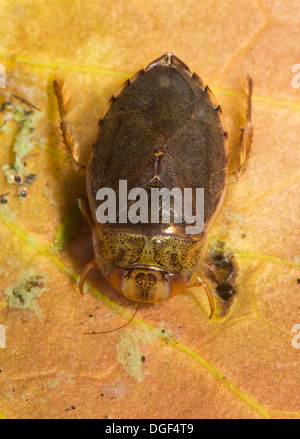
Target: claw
x,y
90,265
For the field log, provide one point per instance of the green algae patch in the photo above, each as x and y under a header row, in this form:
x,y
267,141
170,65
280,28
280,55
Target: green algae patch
x,y
67,230
20,123
24,140
7,214
129,352
23,295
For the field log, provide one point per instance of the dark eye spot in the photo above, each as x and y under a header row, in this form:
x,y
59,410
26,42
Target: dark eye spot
x,y
145,281
139,278
151,278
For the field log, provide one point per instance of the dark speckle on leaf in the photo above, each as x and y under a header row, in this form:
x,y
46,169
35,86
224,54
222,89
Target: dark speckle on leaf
x,y
30,178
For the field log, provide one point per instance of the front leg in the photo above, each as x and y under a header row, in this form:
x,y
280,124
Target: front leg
x,y
202,283
85,210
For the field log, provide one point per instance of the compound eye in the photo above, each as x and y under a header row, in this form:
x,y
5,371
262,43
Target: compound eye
x,y
115,277
177,283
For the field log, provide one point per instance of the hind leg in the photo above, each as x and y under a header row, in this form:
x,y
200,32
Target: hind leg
x,y
239,152
72,147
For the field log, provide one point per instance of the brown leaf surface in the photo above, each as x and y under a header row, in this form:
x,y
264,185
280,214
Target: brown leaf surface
x,y
240,366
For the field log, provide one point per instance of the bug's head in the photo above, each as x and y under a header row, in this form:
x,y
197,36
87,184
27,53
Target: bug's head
x,y
148,285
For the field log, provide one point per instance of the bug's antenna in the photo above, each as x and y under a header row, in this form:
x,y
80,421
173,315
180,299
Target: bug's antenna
x,y
116,329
